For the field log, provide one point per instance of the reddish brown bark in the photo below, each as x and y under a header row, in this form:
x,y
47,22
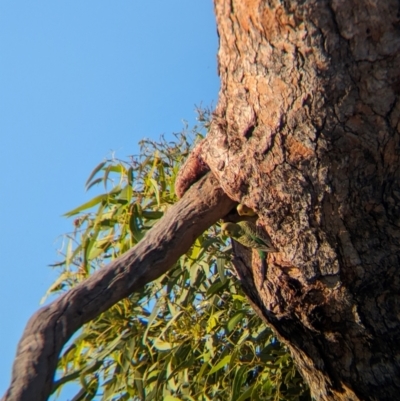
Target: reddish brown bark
x,y
306,132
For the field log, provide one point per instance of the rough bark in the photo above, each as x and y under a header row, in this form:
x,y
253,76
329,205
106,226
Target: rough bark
x,y
306,132
51,327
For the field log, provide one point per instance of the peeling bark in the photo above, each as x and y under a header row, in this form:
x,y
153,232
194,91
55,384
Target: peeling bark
x,y
51,327
306,133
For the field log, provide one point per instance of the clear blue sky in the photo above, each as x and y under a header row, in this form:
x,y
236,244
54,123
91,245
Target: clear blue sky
x,y
78,80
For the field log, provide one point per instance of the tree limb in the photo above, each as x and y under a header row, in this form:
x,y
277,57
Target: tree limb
x,y
51,326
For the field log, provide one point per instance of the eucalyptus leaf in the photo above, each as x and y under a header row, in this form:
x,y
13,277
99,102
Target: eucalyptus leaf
x,y
87,205
93,173
221,364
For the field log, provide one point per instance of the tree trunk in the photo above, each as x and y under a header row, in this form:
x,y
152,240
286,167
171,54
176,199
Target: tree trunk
x,y
306,132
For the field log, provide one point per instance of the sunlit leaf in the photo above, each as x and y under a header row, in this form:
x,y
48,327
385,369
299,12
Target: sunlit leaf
x,y
154,184
162,345
87,205
220,364
152,317
171,398
234,320
221,260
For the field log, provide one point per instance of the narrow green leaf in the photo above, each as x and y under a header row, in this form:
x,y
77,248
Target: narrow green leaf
x,y
156,191
193,273
126,193
94,182
161,176
203,368
56,286
134,228
213,321
106,174
162,345
69,254
222,363
94,172
170,323
152,317
221,260
216,287
243,337
86,205
234,320
171,398
138,380
152,215
238,382
130,176
95,252
117,168
240,298
247,394
57,264
91,243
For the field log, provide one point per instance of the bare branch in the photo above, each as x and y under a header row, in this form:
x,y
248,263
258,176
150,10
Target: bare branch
x,y
50,328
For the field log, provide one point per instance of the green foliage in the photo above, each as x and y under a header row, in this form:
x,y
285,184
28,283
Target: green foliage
x,y
190,335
